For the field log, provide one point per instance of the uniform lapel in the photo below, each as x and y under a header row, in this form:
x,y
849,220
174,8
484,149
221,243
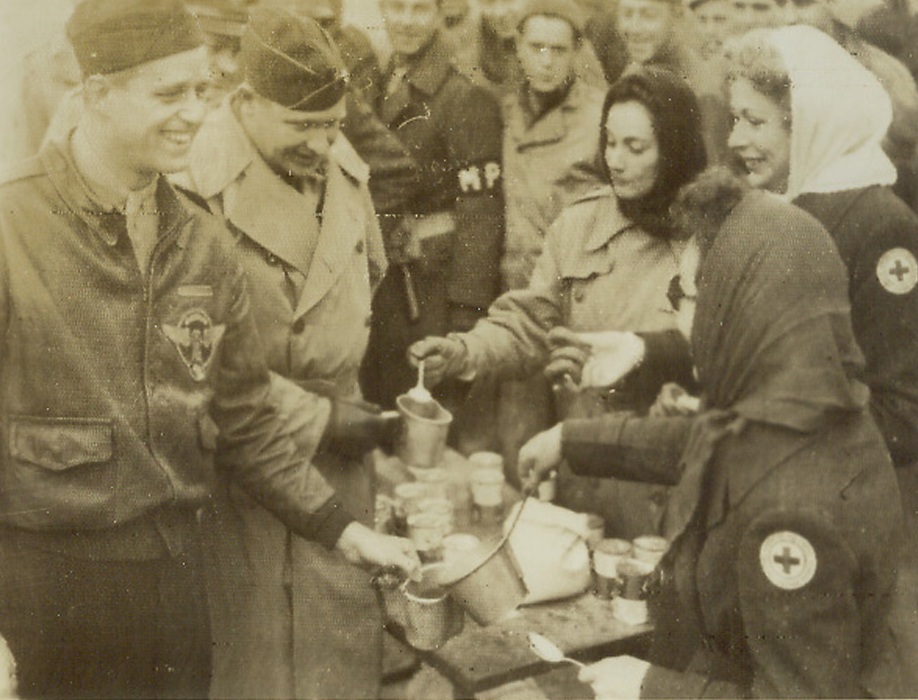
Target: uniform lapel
x,y
340,238
272,214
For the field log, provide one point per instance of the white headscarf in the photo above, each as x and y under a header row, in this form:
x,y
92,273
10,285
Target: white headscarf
x,y
840,114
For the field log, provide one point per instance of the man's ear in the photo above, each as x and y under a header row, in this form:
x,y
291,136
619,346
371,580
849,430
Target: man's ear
x,y
96,88
244,97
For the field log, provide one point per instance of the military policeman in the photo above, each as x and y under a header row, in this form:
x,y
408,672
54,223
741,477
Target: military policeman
x,y
272,162
446,260
129,354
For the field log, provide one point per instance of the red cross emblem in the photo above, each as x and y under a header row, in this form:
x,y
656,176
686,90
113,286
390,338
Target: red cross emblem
x,y
788,560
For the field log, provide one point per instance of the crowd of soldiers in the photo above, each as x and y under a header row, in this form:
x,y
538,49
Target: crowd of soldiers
x,y
237,230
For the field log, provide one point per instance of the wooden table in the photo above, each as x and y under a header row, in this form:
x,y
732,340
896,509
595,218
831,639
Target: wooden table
x,y
481,658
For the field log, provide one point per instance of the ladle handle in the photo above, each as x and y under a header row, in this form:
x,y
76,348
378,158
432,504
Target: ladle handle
x,y
578,664
528,492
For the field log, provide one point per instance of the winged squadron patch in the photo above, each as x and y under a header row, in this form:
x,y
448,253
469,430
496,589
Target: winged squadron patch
x,y
196,338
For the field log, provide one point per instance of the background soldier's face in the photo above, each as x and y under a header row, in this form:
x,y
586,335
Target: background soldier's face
x,y
646,26
294,143
410,24
152,112
713,19
546,48
501,15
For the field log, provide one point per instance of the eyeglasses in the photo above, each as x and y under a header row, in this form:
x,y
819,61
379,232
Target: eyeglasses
x,y
675,294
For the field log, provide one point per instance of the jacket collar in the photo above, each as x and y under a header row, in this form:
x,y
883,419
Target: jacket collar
x,y
426,73
270,212
549,127
57,158
607,220
430,69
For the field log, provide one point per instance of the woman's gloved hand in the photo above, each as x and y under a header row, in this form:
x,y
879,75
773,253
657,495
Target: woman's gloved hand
x,y
355,427
444,358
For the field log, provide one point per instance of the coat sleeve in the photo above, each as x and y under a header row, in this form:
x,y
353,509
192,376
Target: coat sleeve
x,y
473,130
258,444
797,581
884,314
624,447
512,341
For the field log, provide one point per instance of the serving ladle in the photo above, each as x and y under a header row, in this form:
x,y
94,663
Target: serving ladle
x,y
548,651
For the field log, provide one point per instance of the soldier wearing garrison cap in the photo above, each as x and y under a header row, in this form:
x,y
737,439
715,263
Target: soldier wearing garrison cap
x,y
272,162
130,354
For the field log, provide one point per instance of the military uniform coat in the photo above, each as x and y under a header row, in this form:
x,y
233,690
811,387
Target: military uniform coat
x,y
290,613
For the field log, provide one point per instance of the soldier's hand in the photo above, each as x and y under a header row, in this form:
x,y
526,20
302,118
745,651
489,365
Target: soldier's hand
x,y
444,358
568,356
615,677
355,427
539,457
372,550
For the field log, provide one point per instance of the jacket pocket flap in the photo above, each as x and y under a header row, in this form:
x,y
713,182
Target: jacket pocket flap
x,y
588,265
61,443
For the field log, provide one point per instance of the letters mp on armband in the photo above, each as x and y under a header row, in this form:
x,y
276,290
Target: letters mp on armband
x,y
479,177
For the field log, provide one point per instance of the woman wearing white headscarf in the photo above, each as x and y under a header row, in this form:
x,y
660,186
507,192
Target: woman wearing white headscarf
x,y
809,125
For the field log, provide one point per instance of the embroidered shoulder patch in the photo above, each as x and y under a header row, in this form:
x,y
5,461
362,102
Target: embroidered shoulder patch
x,y
788,560
897,271
196,338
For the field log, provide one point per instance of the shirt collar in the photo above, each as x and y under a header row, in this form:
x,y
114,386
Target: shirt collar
x,y
103,187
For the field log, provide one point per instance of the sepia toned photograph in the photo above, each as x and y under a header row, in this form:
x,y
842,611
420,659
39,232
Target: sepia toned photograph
x,y
452,349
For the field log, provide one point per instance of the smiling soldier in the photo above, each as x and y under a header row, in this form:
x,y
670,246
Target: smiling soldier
x,y
129,347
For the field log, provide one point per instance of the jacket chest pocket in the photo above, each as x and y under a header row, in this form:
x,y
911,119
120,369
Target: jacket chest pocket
x,y
579,277
60,467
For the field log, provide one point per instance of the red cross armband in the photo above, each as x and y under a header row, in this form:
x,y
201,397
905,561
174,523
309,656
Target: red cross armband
x,y
897,271
478,178
788,552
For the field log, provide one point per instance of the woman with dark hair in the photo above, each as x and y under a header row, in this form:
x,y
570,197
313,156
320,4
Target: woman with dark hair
x,y
606,264
785,517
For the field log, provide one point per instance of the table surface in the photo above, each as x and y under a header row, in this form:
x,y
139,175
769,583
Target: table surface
x,y
479,657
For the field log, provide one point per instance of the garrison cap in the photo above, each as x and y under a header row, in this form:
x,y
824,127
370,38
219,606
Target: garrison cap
x,y
220,17
566,10
291,60
113,35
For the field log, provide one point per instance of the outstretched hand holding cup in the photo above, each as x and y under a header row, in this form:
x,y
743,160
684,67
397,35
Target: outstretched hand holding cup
x,y
592,359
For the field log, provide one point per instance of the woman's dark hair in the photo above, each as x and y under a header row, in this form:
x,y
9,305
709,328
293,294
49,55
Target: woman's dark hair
x,y
676,119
